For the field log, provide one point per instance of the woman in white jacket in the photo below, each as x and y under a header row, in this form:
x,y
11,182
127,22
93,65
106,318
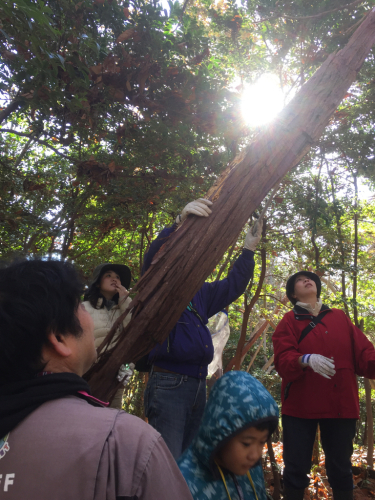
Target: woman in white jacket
x,y
105,300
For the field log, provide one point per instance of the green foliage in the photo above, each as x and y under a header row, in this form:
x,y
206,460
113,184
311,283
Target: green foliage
x,y
133,395
116,114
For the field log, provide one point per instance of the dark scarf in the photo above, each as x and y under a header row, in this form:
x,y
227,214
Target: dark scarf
x,y
19,399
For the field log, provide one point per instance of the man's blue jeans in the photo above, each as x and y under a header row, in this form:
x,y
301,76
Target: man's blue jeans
x,y
174,406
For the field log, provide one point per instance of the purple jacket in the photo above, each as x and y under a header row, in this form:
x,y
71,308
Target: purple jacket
x,y
188,349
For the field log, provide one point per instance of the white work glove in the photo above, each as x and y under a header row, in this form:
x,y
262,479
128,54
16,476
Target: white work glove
x,y
125,373
197,207
320,364
254,235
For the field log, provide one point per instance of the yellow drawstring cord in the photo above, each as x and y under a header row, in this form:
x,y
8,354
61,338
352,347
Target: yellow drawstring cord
x,y
252,484
223,478
225,484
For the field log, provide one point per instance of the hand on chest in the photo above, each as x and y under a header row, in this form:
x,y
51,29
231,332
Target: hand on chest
x,y
328,338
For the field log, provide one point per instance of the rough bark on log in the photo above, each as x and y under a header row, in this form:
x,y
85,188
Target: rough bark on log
x,y
189,255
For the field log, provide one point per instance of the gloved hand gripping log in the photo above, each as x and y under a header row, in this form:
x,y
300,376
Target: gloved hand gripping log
x,y
125,373
198,207
201,208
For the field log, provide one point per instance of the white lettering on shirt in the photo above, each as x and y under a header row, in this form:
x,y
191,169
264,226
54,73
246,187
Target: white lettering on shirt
x,y
8,480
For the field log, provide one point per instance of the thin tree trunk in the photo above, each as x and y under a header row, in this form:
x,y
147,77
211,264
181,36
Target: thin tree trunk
x,y
368,437
316,452
254,356
364,439
186,259
265,348
150,230
259,332
23,152
355,266
51,247
370,426
226,262
68,238
268,363
141,251
369,419
275,471
236,360
30,243
341,243
315,217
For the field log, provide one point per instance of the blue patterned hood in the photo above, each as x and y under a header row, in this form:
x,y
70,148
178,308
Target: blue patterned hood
x,y
237,401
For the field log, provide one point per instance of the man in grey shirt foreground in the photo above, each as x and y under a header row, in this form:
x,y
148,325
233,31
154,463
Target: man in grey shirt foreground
x,y
56,441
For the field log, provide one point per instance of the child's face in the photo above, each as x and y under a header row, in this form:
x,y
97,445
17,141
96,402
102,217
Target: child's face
x,y
243,451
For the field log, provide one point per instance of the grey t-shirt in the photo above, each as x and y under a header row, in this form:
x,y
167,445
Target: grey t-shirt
x,y
68,449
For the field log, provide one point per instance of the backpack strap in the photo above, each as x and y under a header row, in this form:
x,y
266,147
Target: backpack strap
x,y
192,309
315,321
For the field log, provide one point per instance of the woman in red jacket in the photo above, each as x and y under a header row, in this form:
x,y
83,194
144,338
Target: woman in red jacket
x,y
318,353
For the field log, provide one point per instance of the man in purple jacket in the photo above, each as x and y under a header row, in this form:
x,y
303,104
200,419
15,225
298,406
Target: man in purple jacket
x,y
175,396
56,441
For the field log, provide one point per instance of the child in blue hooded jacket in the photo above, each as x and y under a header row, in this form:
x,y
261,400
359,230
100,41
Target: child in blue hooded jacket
x,y
223,461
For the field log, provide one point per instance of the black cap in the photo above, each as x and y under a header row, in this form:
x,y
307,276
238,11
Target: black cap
x,y
122,270
292,279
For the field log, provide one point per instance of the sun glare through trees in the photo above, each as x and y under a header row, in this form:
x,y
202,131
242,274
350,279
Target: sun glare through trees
x,y
262,101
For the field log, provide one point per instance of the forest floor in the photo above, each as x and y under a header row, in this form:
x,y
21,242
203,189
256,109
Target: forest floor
x,y
319,488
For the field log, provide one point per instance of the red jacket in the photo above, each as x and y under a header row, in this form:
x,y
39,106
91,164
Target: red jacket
x,y
306,394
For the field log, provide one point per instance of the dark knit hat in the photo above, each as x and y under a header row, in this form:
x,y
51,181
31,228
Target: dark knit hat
x,y
292,279
122,270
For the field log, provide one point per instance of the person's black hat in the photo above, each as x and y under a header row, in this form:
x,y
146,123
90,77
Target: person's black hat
x,y
122,270
292,279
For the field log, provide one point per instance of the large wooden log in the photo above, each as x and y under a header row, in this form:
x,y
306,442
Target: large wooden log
x,y
191,253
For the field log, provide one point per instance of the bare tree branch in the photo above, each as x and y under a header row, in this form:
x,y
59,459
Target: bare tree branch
x,y
314,16
39,141
23,152
186,3
15,104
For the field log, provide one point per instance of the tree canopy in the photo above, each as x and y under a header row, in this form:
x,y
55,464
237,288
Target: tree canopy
x,y
115,114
